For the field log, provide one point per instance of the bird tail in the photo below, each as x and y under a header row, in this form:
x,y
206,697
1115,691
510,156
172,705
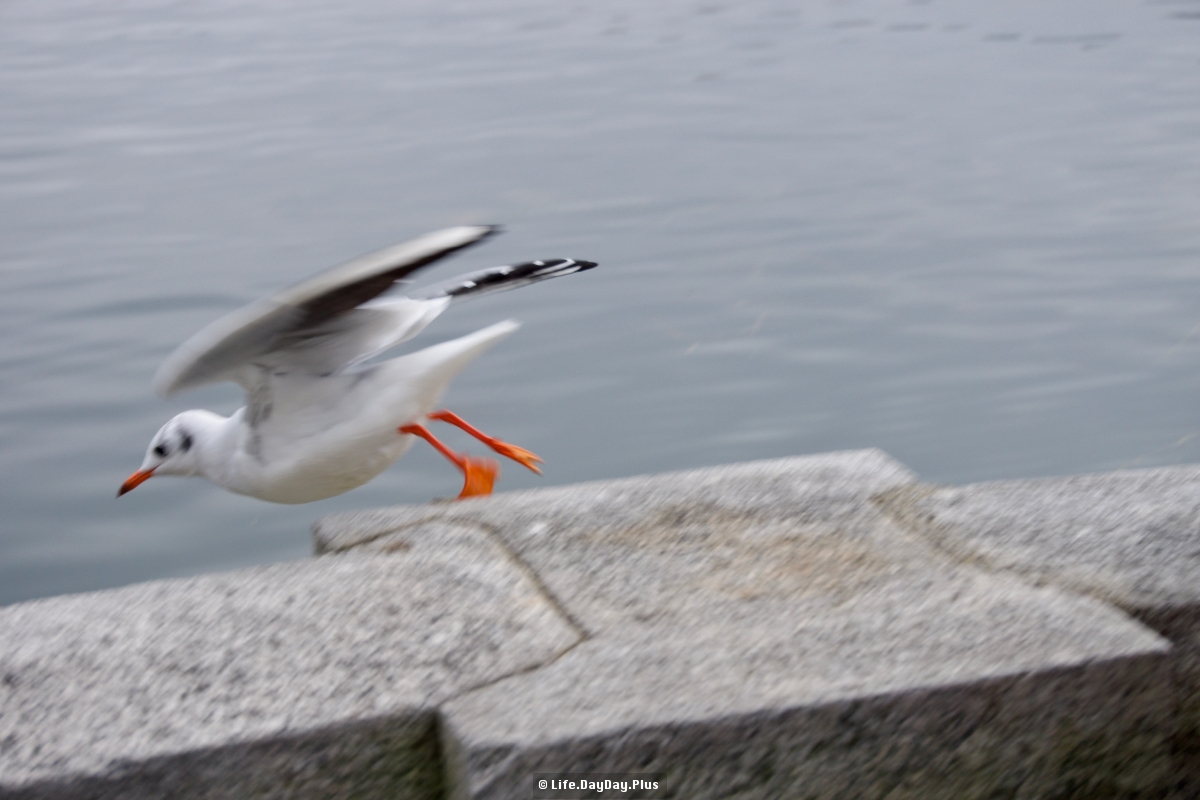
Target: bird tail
x,y
499,279
431,370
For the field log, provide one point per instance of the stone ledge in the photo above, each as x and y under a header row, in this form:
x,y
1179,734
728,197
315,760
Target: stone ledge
x,y
810,627
1046,734
775,599
300,679
1130,538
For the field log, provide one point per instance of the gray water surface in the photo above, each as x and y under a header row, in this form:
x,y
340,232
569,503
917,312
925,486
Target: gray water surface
x,y
966,233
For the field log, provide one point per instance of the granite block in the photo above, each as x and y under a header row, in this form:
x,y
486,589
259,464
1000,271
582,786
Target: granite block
x,y
308,679
1129,537
764,630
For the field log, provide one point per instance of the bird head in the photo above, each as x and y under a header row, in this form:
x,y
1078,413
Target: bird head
x,y
172,451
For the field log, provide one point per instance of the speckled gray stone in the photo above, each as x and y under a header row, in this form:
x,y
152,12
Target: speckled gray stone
x,y
315,679
792,628
763,630
1130,537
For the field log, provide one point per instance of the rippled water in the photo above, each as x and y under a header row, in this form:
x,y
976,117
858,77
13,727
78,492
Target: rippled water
x,y
966,233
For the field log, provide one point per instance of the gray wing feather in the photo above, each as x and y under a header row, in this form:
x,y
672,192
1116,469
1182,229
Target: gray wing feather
x,y
351,336
318,325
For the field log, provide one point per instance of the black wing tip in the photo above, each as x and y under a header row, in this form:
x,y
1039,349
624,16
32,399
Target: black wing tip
x,y
542,268
546,268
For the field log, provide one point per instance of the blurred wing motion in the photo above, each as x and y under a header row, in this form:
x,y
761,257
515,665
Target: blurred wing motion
x,y
318,326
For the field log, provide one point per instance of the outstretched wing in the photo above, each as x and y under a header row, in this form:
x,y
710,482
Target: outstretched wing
x,y
316,326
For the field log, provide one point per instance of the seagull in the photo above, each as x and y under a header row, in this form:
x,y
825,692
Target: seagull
x,y
318,421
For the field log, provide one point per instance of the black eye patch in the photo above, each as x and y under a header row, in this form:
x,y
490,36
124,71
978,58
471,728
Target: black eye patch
x,y
160,451
186,442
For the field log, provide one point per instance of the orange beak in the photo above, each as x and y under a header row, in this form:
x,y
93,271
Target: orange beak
x,y
135,480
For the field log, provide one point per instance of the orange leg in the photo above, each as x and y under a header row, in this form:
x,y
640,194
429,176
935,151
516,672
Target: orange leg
x,y
518,454
479,473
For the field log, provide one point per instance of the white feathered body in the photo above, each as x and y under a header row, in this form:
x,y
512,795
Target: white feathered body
x,y
323,436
